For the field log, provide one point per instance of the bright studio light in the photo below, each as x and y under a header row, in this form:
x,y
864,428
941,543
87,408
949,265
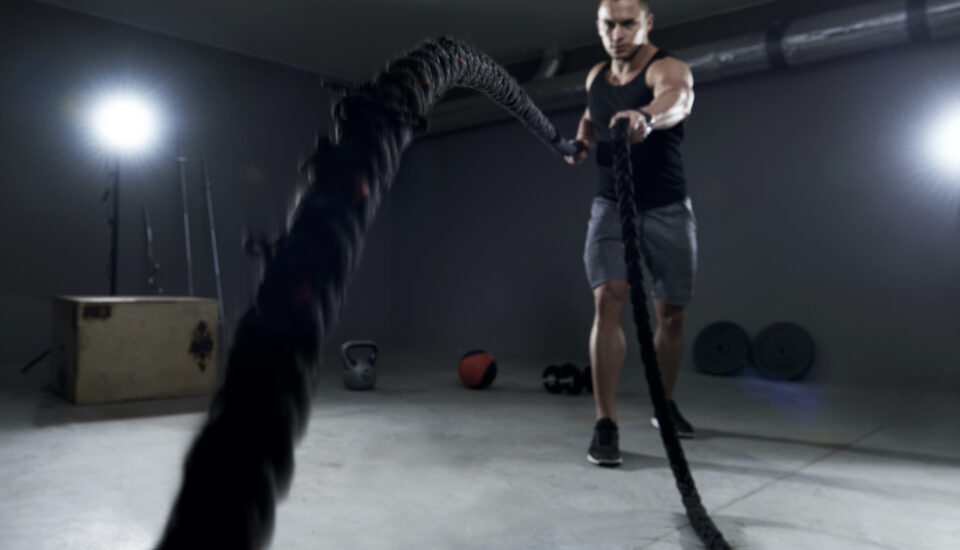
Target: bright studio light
x,y
945,140
124,123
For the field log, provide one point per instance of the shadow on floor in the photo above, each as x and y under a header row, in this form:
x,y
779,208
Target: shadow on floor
x,y
52,410
734,529
887,489
707,435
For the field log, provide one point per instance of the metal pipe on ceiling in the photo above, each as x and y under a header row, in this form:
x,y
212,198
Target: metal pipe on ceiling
x,y
807,40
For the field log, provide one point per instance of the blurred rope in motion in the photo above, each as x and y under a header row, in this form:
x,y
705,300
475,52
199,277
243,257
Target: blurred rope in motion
x,y
242,460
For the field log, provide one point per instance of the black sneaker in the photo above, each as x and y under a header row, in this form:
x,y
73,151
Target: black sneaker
x,y
684,429
605,446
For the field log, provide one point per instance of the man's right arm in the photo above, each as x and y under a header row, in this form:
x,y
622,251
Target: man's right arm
x,y
585,128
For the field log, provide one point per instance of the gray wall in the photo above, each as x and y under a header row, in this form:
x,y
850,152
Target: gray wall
x,y
816,201
253,120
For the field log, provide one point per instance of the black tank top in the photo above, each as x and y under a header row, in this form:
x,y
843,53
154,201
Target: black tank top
x,y
657,163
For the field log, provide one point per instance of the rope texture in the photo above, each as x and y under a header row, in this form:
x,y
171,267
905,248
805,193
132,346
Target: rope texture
x,y
626,199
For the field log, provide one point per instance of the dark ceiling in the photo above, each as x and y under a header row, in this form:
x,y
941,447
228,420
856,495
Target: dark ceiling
x,y
351,39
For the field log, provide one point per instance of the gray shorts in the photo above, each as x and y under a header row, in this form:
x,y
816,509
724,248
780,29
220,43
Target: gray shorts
x,y
668,243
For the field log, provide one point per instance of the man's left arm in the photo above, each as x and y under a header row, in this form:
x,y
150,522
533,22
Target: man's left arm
x,y
672,84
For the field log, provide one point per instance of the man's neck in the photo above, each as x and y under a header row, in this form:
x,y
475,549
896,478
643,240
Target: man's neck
x,y
625,67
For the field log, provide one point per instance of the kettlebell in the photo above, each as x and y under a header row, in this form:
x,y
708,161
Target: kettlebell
x,y
359,374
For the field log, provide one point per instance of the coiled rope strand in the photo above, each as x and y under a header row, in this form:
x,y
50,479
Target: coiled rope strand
x,y
623,176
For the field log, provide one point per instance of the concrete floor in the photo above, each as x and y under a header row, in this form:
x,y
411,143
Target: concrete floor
x,y
424,463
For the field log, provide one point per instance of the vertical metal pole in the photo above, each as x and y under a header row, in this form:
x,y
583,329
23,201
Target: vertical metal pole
x,y
207,185
182,159
115,228
153,266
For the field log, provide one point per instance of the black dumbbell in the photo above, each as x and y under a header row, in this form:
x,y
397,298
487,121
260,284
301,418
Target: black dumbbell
x,y
564,378
587,379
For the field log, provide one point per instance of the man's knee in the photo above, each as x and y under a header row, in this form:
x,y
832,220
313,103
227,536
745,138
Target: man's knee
x,y
609,299
671,320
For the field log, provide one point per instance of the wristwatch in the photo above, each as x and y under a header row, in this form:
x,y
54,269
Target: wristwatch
x,y
648,120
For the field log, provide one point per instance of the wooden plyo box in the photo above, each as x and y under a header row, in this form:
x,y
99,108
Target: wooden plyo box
x,y
119,348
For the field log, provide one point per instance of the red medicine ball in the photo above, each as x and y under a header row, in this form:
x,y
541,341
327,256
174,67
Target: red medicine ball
x,y
477,369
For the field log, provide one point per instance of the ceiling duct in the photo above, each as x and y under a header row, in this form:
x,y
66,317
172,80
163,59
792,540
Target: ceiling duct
x,y
803,41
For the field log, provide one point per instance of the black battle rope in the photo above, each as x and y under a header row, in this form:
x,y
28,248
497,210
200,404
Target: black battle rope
x,y
242,459
623,174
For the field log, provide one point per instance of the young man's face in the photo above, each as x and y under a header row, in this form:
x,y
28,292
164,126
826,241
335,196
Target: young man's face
x,y
623,27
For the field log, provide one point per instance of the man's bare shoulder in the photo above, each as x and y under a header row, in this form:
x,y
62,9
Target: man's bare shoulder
x,y
668,68
592,75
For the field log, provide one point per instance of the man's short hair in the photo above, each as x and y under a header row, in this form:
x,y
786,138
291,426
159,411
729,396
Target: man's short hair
x,y
646,4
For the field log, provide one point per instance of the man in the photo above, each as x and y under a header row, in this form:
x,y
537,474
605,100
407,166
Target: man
x,y
654,92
